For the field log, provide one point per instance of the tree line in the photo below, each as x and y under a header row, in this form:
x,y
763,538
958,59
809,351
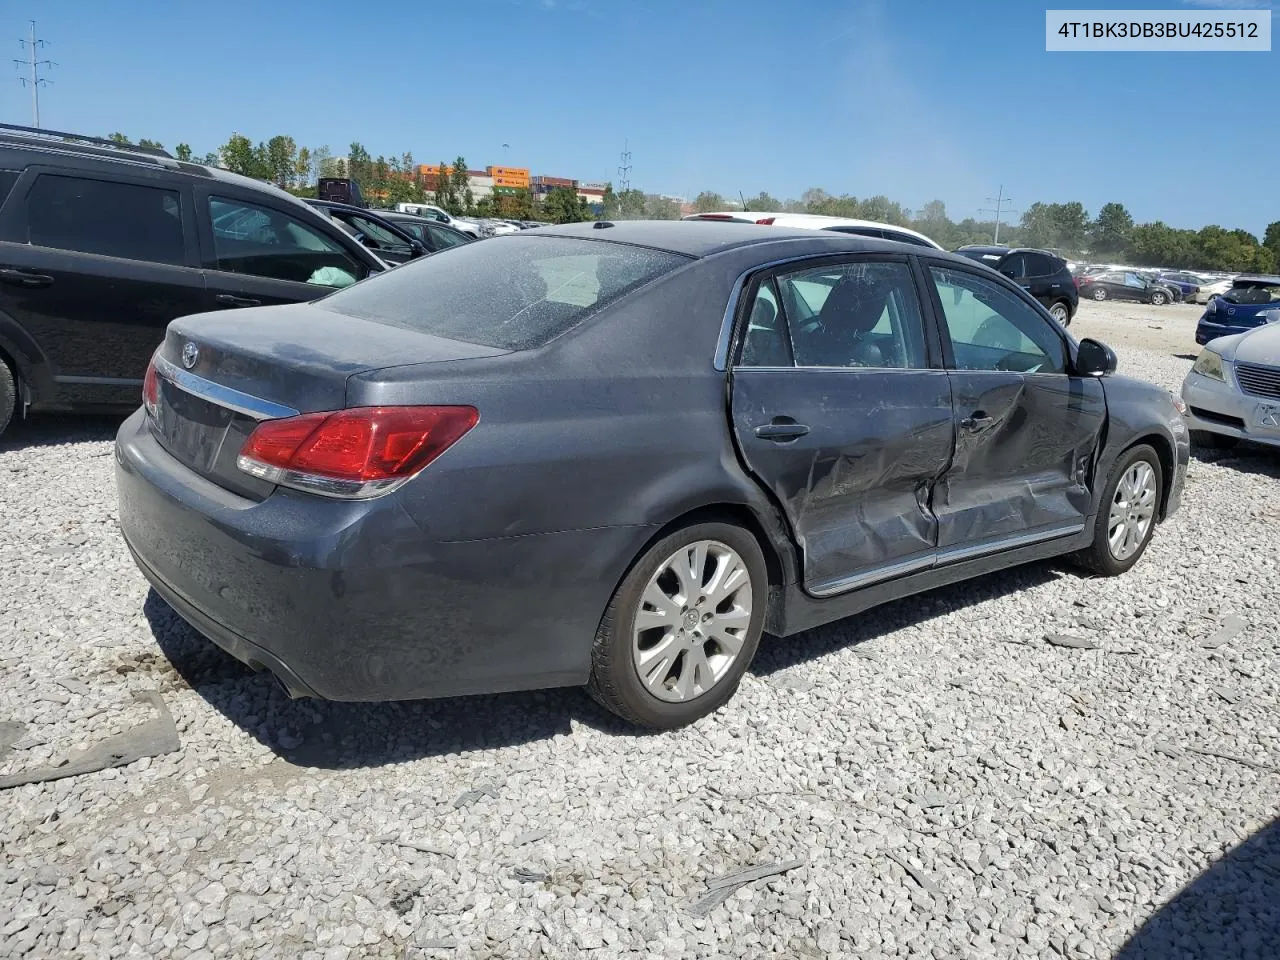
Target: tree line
x,y
1110,235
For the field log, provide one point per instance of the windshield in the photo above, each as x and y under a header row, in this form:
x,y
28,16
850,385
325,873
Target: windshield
x,y
1252,294
514,293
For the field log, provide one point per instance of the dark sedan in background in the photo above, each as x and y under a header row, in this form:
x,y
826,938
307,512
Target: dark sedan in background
x,y
1126,286
615,454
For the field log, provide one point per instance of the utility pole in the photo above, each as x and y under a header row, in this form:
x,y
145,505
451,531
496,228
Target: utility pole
x,y
624,168
35,81
1000,201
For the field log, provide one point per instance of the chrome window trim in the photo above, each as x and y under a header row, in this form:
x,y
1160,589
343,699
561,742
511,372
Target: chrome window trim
x,y
828,369
941,558
223,396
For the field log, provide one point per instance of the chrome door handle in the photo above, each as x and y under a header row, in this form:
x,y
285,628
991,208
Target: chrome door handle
x,y
978,421
781,430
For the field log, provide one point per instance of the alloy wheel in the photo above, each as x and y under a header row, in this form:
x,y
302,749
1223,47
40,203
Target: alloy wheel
x,y
1099,293
1059,312
693,619
1133,510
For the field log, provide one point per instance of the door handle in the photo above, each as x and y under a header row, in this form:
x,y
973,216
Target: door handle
x,y
781,430
979,421
24,278
228,300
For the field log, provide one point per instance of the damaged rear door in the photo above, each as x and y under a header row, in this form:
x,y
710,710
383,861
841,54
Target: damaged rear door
x,y
1027,429
841,409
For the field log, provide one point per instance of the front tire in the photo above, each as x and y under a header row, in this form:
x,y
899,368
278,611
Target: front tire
x,y
8,395
682,627
1126,514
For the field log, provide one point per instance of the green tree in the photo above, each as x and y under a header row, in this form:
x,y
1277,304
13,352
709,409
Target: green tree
x,y
240,156
630,204
183,152
461,184
119,138
282,160
444,189
708,202
211,159
359,164
763,202
302,166
1110,230
1271,240
563,205
610,208
661,208
151,144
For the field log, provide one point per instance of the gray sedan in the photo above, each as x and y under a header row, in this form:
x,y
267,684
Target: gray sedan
x,y
1233,390
616,454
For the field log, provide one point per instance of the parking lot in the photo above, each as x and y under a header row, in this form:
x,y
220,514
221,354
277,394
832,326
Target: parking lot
x,y
934,778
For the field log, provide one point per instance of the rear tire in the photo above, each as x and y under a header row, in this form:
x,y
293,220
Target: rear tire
x,y
8,395
1159,299
1217,441
1061,312
1099,293
669,673
1128,515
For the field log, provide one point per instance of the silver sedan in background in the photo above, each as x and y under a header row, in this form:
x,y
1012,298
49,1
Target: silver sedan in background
x,y
1233,391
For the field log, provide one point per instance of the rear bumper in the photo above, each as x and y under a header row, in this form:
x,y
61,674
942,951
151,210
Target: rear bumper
x,y
1207,330
351,600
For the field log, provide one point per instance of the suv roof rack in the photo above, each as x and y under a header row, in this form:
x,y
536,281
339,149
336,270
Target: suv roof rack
x,y
73,139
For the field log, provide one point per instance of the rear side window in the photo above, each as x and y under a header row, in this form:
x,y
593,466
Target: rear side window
x,y
514,293
1040,265
1253,294
110,219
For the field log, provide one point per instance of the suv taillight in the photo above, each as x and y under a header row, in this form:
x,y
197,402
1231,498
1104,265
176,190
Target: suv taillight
x,y
151,387
353,454
766,221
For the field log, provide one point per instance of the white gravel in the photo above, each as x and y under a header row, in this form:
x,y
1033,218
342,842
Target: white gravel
x,y
955,785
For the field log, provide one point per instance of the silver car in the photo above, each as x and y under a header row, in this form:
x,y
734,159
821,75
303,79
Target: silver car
x,y
1233,391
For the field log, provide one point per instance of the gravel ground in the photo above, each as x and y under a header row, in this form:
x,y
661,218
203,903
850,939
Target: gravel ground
x,y
952,784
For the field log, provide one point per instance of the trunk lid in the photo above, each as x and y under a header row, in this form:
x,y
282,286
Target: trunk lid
x,y
223,373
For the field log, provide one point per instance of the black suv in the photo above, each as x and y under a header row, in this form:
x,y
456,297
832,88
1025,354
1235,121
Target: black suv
x,y
1041,273
101,245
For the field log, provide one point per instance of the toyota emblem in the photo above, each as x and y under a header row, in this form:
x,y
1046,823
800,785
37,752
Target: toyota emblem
x,y
190,354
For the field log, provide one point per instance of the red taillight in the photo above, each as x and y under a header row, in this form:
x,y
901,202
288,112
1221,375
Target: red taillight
x,y
1076,281
151,387
766,221
356,453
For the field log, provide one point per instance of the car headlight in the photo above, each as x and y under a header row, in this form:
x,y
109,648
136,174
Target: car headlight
x,y
1178,403
1209,364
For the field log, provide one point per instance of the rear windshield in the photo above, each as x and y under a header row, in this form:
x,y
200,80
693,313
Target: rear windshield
x,y
1253,293
514,292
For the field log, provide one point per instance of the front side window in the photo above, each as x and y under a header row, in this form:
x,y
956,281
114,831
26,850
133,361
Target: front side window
x,y
859,314
376,236
442,237
1014,265
991,328
110,219
264,242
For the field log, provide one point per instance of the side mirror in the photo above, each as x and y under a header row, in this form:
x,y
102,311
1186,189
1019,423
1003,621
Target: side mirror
x,y
417,249
1095,359
1008,273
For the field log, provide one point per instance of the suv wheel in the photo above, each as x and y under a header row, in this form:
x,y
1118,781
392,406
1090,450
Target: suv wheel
x,y
1126,514
1060,312
1099,293
8,395
682,627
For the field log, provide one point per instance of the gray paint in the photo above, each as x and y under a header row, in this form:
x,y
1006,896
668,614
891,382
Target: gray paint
x,y
491,569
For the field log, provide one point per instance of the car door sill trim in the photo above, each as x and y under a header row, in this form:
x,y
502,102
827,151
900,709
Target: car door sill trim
x,y
236,400
874,575
100,381
946,557
956,554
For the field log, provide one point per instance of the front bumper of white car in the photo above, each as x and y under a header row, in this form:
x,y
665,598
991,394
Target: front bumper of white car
x,y
1220,406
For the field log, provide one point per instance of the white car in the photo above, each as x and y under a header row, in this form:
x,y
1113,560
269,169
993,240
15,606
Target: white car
x,y
429,210
1233,390
814,221
502,227
1212,289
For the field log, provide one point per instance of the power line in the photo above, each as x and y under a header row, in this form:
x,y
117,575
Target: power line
x,y
35,81
624,168
1000,201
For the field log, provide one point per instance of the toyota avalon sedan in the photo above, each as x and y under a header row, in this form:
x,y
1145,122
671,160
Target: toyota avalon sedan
x,y
615,454
1233,390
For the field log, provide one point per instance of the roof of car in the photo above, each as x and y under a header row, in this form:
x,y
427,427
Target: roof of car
x,y
1257,279
701,238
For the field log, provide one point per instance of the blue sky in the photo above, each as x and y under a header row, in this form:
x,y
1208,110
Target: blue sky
x,y
915,99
